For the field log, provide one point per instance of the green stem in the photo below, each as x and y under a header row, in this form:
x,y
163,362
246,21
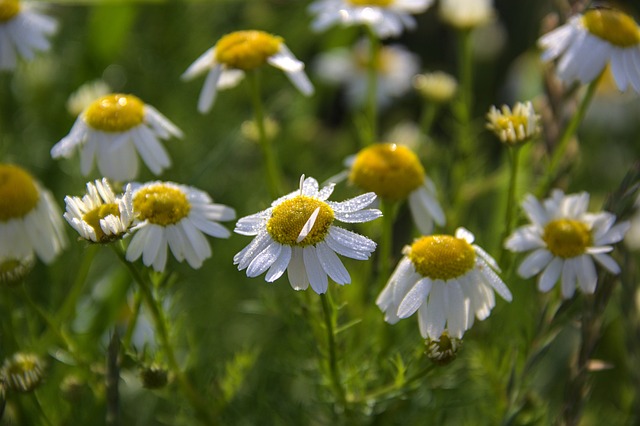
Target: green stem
x,y
385,249
514,157
137,301
333,359
465,71
394,387
429,112
201,406
564,140
52,325
463,153
71,299
274,180
371,108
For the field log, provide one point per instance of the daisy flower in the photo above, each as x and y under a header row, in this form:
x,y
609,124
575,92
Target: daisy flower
x,y
588,42
13,270
297,234
565,240
448,280
29,218
350,68
438,86
23,32
240,51
100,216
113,129
515,126
466,14
387,18
169,214
394,173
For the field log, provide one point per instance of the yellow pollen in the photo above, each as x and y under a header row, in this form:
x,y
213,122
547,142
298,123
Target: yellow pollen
x,y
246,50
161,204
506,121
18,192
613,26
567,238
289,217
391,171
115,113
442,257
8,9
93,219
381,3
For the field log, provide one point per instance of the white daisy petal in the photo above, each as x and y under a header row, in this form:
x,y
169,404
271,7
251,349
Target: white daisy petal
x,y
317,276
264,260
414,298
550,275
296,271
607,262
332,264
586,274
280,265
569,273
534,263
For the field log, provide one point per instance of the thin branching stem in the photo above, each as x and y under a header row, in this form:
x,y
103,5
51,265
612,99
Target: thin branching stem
x,y
561,147
329,321
274,180
202,407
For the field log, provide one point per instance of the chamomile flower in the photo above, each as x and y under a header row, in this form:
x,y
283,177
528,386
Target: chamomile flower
x,y
387,18
588,42
100,216
173,215
297,234
23,32
349,67
13,270
241,51
565,240
448,280
113,130
466,14
29,218
394,173
438,86
515,126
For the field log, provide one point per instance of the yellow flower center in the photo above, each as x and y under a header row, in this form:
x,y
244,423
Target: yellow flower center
x,y
23,372
93,219
289,217
379,3
391,171
246,50
115,113
442,257
613,26
8,9
161,204
506,121
12,271
18,192
567,238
